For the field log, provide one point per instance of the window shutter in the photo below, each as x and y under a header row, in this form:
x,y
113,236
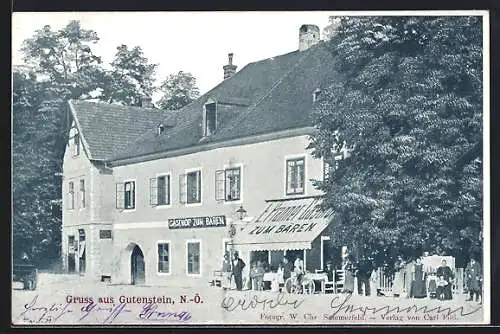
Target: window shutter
x,y
198,174
153,191
120,196
182,189
219,185
167,189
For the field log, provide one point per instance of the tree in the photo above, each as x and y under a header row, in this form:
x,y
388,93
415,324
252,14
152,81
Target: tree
x,y
131,77
65,58
63,67
408,102
35,188
178,90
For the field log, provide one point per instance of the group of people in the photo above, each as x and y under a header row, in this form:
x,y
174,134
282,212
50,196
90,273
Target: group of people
x,y
411,278
422,282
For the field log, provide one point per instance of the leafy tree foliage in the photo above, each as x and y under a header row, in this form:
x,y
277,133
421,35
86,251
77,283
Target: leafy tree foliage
x,y
178,90
36,156
131,77
408,102
61,66
65,58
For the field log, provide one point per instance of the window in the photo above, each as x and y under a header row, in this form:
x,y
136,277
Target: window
x,y
163,258
295,175
71,192
228,184
190,187
125,195
193,258
160,190
105,234
210,118
82,193
76,144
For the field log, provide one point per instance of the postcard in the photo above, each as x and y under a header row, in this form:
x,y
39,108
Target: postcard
x,y
250,168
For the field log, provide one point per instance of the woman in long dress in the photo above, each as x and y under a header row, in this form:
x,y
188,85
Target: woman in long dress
x,y
399,268
349,276
418,289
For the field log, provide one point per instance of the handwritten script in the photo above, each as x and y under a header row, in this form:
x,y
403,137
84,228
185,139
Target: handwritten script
x,y
231,303
36,313
340,304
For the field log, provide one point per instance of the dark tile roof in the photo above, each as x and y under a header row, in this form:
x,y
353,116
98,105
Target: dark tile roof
x,y
263,97
108,128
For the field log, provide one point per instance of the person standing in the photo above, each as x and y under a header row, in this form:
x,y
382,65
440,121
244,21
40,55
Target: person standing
x,y
399,270
364,273
445,276
474,279
330,273
226,272
238,266
418,289
259,275
287,269
348,269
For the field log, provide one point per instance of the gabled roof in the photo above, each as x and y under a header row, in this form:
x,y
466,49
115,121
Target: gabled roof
x,y
267,96
106,128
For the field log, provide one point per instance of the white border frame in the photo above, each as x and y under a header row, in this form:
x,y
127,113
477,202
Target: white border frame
x,y
190,170
192,241
170,200
239,165
285,185
158,242
486,165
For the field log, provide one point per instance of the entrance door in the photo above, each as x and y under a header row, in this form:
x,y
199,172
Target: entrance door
x,y
82,251
137,266
71,254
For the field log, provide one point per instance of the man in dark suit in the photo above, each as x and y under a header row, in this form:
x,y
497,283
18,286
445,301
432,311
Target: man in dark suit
x,y
364,271
238,266
473,276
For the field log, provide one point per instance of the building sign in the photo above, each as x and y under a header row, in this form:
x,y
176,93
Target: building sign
x,y
197,222
285,224
294,211
283,228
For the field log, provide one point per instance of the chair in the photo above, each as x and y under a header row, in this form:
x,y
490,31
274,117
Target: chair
x,y
328,286
339,281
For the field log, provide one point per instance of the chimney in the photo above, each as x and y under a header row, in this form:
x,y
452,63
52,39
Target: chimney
x,y
147,102
229,69
308,36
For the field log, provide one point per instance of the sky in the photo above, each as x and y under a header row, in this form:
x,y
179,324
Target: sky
x,y
196,42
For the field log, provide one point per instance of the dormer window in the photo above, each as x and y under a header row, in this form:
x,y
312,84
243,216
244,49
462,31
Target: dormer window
x,y
316,94
160,129
210,125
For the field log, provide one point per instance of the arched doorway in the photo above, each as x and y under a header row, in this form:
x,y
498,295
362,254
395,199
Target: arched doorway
x,y
137,266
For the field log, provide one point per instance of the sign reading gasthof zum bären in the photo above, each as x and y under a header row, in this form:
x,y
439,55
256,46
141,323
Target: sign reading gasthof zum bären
x,y
197,222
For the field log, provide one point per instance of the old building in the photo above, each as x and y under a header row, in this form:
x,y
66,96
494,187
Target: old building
x,y
150,196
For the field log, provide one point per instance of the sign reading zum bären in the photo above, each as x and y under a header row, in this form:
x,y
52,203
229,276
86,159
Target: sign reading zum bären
x,y
197,222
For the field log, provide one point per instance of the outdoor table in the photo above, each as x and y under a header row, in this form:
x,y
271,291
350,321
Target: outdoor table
x,y
318,279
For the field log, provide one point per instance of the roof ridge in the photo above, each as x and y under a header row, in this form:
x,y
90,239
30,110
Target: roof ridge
x,y
251,108
119,106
